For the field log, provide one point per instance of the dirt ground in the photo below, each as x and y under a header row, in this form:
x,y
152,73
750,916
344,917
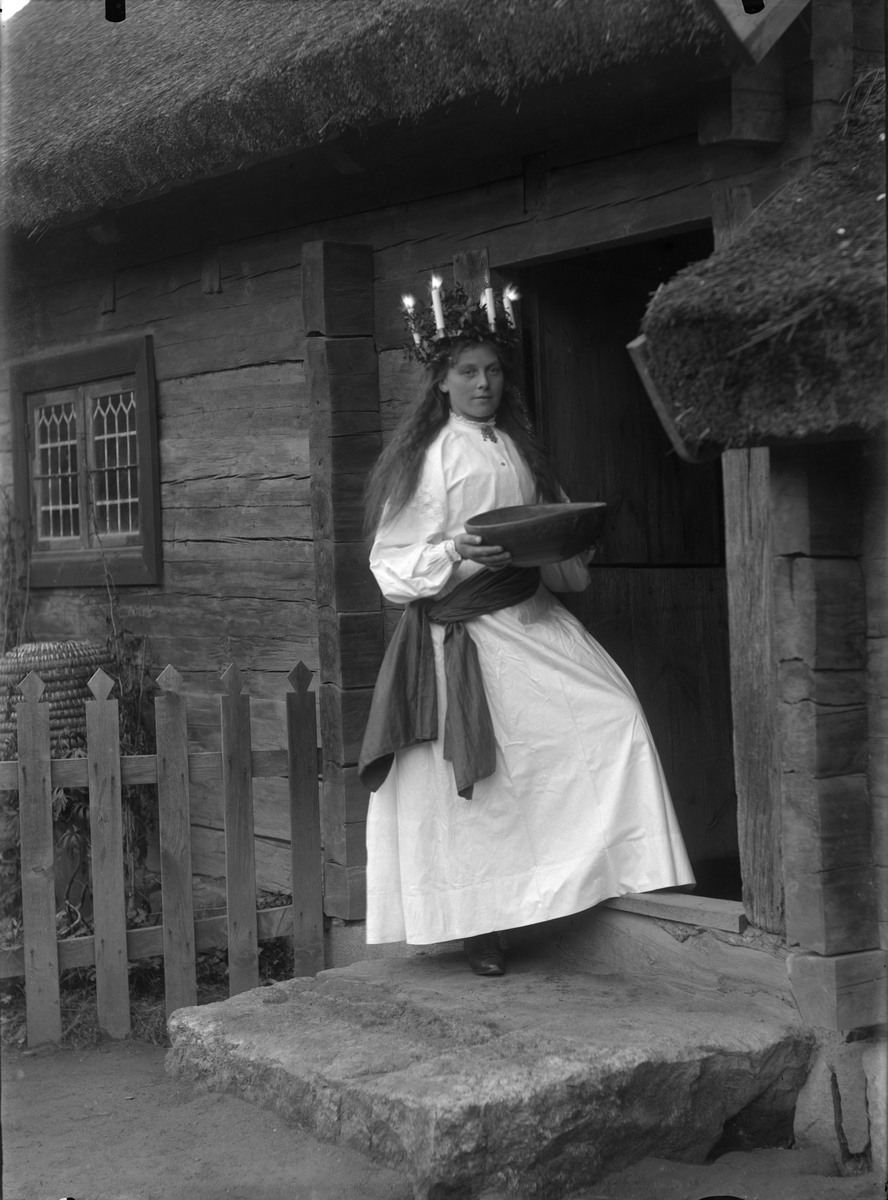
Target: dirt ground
x,y
109,1124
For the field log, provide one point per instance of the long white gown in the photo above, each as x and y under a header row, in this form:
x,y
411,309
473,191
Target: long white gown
x,y
578,809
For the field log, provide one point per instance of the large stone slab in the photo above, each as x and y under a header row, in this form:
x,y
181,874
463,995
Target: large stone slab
x,y
537,1082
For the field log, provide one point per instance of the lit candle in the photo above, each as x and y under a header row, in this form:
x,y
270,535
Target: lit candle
x,y
510,294
409,303
436,303
490,306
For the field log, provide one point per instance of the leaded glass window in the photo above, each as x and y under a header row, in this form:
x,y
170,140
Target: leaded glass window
x,y
85,465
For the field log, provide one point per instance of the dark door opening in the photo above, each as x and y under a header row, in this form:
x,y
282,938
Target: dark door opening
x,y
658,598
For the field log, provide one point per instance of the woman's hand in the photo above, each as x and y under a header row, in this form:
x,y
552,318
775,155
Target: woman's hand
x,y
468,545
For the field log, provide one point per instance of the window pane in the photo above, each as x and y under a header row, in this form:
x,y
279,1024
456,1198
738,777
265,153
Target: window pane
x,y
58,503
115,489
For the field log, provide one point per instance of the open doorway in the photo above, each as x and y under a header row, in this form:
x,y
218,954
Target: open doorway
x,y
658,599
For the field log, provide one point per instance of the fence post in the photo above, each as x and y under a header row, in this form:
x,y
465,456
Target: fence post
x,y
174,817
106,841
38,879
305,826
240,851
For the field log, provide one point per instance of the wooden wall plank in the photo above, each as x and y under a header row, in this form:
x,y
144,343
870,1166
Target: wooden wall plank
x,y
41,966
240,864
174,828
337,288
840,992
746,475
106,846
305,827
345,891
272,858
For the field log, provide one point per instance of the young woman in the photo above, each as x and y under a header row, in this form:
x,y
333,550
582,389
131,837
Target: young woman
x,y
575,808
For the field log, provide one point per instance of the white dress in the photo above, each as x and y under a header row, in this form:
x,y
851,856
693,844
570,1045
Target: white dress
x,y
578,809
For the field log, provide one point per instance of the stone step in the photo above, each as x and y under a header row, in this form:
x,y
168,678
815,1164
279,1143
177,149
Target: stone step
x,y
535,1083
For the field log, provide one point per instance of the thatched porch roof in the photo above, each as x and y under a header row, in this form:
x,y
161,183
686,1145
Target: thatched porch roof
x,y
782,334
96,112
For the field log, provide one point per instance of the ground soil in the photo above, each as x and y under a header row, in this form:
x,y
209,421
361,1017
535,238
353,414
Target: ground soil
x,y
108,1123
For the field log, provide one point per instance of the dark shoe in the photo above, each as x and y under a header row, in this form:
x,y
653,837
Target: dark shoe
x,y
485,954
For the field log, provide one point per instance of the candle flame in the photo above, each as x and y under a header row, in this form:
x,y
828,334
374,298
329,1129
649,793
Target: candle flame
x,y
511,292
436,281
409,302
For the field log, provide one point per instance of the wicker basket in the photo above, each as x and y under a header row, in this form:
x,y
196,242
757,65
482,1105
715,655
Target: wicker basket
x,y
65,668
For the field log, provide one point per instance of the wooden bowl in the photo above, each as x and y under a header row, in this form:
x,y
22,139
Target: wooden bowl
x,y
536,534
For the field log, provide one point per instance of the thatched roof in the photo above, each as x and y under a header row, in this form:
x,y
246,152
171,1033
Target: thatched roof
x,y
96,111
782,334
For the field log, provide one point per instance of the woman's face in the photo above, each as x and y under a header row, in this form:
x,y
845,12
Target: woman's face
x,y
474,383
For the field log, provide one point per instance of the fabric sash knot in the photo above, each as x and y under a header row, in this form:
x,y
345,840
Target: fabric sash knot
x,y
404,709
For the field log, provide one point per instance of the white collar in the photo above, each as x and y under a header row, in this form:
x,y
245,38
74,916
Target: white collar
x,y
469,423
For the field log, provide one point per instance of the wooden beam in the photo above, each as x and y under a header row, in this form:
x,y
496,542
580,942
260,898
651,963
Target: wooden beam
x,y
337,288
746,478
345,891
844,991
753,34
748,107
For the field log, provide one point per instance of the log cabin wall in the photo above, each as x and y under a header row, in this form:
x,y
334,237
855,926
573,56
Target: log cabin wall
x,y
874,560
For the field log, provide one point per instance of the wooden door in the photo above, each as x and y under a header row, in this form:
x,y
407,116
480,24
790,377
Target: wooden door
x,y
658,599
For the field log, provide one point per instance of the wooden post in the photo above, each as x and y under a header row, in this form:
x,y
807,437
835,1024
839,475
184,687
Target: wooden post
x,y
179,970
746,481
240,854
106,837
346,438
38,882
305,825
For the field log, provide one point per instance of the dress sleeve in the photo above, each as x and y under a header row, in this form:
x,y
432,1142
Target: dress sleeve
x,y
408,558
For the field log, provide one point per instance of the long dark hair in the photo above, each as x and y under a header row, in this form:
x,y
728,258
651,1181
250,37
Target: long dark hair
x,y
396,473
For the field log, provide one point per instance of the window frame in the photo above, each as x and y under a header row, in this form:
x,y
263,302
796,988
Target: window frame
x,y
83,566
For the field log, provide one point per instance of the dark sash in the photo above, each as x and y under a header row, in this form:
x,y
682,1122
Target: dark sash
x,y
404,710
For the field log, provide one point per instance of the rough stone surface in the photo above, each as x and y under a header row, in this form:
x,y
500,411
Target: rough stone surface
x,y
535,1083
838,1108
875,1067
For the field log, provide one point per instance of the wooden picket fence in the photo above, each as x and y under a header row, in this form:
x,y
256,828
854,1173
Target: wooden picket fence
x,y
172,768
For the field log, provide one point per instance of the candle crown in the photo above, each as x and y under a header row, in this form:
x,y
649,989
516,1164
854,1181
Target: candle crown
x,y
465,320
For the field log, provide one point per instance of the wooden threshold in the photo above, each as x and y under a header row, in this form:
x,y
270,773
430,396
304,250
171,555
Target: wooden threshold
x,y
689,910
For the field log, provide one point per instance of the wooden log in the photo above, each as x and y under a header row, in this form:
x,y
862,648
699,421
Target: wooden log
x,y
342,374
305,826
345,843
351,647
346,454
345,892
337,288
747,107
345,797
754,682
832,58
828,857
846,991
344,579
209,933
240,863
338,506
106,844
174,822
40,965
343,720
